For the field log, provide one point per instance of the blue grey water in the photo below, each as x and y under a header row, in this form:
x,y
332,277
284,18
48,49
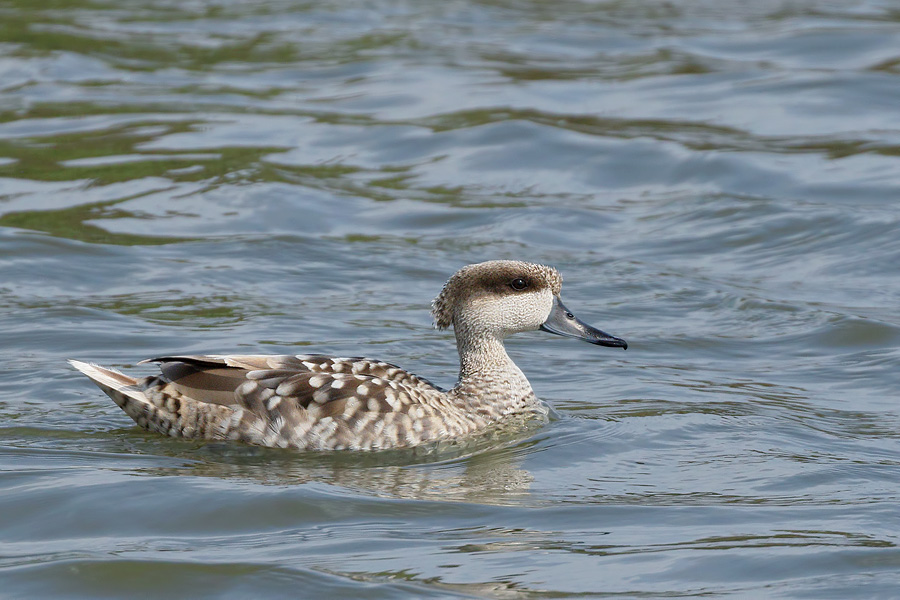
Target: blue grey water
x,y
717,181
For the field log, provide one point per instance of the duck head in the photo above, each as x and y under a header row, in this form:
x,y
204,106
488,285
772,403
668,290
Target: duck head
x,y
501,297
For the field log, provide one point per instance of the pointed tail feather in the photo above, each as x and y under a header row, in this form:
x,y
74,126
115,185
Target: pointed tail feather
x,y
123,389
153,409
103,376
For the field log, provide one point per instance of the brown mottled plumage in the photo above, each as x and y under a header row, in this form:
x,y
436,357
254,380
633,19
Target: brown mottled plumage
x,y
314,402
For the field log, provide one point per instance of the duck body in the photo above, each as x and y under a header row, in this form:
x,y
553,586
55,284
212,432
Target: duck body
x,y
316,402
306,402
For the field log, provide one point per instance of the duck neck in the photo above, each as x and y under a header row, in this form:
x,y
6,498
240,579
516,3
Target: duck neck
x,y
487,375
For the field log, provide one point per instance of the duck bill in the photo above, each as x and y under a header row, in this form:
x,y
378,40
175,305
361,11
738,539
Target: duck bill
x,y
562,322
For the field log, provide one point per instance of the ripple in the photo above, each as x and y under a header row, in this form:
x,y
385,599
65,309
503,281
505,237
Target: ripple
x,y
717,184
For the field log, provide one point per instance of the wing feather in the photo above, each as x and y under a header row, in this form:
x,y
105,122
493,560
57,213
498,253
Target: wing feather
x,y
308,400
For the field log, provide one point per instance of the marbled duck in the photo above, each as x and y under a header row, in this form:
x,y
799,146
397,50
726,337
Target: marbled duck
x,y
315,402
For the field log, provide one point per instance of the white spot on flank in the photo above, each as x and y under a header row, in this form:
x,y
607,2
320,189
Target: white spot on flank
x,y
393,401
362,389
246,388
317,381
338,384
272,402
352,406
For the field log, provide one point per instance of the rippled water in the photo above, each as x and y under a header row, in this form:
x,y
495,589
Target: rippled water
x,y
717,181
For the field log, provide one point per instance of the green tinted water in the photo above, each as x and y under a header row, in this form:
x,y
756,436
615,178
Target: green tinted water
x,y
717,182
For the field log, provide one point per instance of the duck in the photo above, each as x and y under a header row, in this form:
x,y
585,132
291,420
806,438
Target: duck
x,y
314,402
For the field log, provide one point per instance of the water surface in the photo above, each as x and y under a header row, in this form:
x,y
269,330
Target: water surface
x,y
717,182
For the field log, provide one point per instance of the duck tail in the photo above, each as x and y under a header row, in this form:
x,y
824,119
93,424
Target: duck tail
x,y
148,403
123,390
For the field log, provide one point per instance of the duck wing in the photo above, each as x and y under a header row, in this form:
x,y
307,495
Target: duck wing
x,y
214,377
305,401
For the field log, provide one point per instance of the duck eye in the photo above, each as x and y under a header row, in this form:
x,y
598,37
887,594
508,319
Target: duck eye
x,y
518,284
